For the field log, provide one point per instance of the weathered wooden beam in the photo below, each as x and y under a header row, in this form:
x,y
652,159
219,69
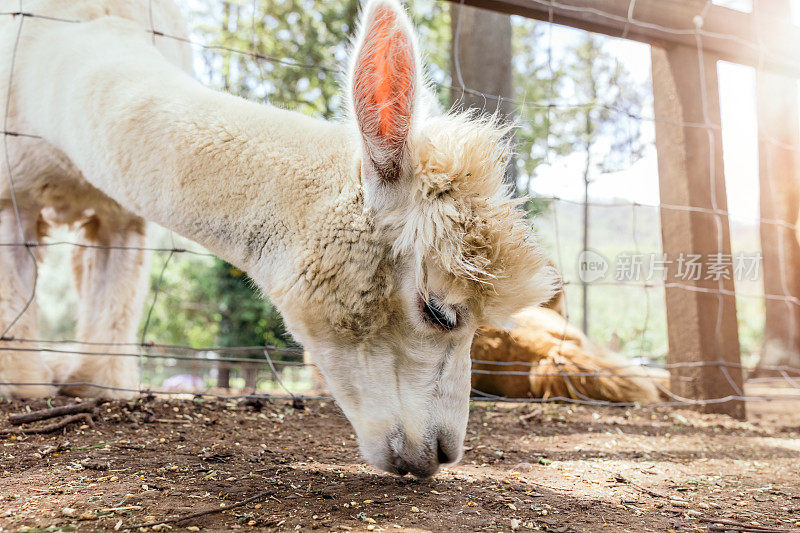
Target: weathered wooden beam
x,y
779,179
701,310
725,34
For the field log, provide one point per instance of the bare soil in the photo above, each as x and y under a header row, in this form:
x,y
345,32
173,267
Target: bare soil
x,y
558,468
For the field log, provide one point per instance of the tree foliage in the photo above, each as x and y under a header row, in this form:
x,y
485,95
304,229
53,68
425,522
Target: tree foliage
x,y
295,51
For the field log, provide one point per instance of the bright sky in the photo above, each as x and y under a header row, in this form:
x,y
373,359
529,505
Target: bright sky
x,y
639,182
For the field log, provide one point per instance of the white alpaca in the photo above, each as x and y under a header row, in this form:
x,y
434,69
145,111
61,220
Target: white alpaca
x,y
384,240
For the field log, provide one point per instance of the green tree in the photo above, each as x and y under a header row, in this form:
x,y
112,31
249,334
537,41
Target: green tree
x,y
245,319
204,302
183,311
293,49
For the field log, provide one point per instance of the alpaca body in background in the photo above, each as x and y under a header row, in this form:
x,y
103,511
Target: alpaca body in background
x,y
555,359
383,240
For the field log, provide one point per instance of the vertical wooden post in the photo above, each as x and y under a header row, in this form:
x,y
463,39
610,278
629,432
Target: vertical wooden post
x,y
779,173
250,371
702,323
481,64
223,375
482,61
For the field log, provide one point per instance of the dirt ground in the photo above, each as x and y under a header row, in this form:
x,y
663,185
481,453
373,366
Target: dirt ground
x,y
558,468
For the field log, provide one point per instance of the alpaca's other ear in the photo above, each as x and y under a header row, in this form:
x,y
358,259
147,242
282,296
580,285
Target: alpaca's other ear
x,y
384,86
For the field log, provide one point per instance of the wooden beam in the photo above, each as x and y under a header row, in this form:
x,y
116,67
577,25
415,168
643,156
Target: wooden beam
x,y
779,176
701,320
726,34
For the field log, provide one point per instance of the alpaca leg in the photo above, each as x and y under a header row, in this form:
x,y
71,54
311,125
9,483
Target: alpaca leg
x,y
112,284
20,362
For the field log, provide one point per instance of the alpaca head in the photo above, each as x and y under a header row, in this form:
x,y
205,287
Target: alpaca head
x,y
444,249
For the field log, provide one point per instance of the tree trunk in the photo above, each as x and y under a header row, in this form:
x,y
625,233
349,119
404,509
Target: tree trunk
x,y
584,284
480,64
586,182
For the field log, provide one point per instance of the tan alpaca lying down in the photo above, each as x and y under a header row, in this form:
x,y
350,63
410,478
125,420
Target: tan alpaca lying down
x,y
544,339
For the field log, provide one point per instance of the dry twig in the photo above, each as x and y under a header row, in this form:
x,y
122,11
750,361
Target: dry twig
x,y
44,414
49,428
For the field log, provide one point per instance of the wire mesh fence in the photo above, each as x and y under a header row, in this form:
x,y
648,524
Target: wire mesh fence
x,y
281,372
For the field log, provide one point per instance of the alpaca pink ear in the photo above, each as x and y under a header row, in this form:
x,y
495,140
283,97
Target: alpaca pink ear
x,y
384,83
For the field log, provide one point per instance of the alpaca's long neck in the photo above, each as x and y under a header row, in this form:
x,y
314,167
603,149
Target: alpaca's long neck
x,y
236,177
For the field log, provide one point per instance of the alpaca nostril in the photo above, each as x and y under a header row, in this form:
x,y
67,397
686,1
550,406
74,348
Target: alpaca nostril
x,y
441,455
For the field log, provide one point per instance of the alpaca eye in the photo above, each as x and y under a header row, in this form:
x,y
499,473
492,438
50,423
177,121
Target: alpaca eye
x,y
438,315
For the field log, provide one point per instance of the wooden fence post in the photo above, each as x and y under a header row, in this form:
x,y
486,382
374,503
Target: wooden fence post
x,y
702,325
482,63
483,59
779,173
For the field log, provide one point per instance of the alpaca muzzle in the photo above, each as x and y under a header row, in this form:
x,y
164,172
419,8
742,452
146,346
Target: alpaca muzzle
x,y
422,460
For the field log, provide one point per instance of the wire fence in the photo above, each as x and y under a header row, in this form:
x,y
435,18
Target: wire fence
x,y
281,372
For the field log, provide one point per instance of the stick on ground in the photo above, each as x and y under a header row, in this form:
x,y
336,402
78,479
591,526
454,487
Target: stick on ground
x,y
44,414
49,428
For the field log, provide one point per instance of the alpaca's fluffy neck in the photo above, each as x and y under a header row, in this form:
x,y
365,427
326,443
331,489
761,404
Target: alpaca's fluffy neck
x,y
237,177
